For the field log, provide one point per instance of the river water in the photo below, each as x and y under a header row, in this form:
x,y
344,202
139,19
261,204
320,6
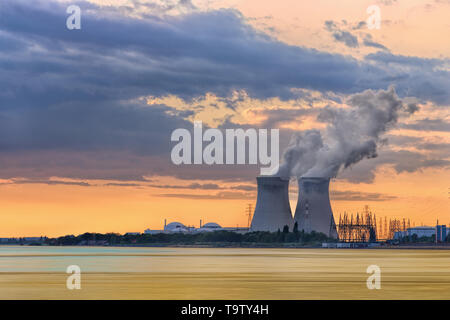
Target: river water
x,y
222,273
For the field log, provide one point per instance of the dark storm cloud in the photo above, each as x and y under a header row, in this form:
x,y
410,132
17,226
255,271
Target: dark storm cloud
x,y
348,38
343,36
54,182
117,56
205,186
401,140
69,102
429,125
194,186
224,195
122,57
435,147
368,42
401,161
426,79
83,127
115,184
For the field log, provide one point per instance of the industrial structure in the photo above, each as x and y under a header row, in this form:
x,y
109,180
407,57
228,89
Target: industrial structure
x,y
272,211
313,211
361,228
178,227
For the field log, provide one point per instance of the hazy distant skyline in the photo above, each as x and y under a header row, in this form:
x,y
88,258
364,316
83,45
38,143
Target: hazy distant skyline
x,y
86,115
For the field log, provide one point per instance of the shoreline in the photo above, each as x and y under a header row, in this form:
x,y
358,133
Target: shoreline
x,y
247,246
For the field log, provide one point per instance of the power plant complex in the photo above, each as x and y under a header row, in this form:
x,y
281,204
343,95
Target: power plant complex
x,y
313,211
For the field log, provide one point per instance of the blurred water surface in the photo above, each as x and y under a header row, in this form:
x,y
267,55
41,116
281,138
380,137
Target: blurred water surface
x,y
222,273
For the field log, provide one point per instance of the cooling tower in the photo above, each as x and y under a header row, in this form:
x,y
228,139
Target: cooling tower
x,y
313,210
272,211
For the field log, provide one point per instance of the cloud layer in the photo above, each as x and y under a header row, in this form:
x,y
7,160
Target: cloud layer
x,y
73,103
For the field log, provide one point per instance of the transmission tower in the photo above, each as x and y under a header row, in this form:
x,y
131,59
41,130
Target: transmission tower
x,y
249,214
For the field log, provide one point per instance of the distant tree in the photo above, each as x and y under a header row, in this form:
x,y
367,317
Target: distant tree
x,y
290,237
285,229
295,229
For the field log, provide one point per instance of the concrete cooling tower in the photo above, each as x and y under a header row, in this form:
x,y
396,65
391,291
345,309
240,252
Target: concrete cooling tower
x,y
313,210
272,211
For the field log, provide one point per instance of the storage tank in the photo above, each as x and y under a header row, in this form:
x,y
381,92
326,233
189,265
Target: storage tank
x,y
272,210
313,211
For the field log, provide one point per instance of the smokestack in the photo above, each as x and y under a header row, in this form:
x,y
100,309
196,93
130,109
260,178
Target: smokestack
x,y
313,212
272,211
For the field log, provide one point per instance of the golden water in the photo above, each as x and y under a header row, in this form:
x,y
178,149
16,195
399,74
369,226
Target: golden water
x,y
225,273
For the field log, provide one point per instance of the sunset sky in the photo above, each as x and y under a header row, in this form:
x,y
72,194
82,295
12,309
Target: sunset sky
x,y
86,115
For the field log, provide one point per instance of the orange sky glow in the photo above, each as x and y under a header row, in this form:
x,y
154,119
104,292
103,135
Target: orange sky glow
x,y
416,28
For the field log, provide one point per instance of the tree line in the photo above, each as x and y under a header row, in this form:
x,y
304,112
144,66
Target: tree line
x,y
221,236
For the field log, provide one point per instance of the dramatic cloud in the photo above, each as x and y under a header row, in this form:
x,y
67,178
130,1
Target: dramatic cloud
x,y
52,182
206,186
402,161
117,56
73,102
225,195
368,42
429,125
341,35
359,196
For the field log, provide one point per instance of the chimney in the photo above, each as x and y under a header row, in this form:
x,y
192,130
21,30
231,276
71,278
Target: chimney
x,y
272,210
313,212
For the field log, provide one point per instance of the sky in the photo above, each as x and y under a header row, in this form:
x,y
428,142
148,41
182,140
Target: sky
x,y
86,115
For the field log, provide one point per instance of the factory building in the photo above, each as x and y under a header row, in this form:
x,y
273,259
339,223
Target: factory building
x,y
441,233
424,231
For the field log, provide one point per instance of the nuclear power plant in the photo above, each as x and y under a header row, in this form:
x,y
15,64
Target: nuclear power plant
x,y
272,210
313,212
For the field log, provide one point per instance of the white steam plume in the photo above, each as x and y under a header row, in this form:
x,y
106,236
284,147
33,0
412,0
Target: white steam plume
x,y
352,134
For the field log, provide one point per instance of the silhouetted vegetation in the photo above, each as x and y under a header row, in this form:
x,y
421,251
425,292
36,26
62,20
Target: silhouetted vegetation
x,y
415,239
216,237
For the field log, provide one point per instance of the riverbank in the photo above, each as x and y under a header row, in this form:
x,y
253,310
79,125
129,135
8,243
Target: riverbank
x,y
419,246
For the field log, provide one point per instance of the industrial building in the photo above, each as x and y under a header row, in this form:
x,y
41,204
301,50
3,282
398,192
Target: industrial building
x,y
439,231
424,231
175,227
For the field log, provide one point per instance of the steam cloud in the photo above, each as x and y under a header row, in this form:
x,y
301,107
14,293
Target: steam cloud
x,y
352,134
